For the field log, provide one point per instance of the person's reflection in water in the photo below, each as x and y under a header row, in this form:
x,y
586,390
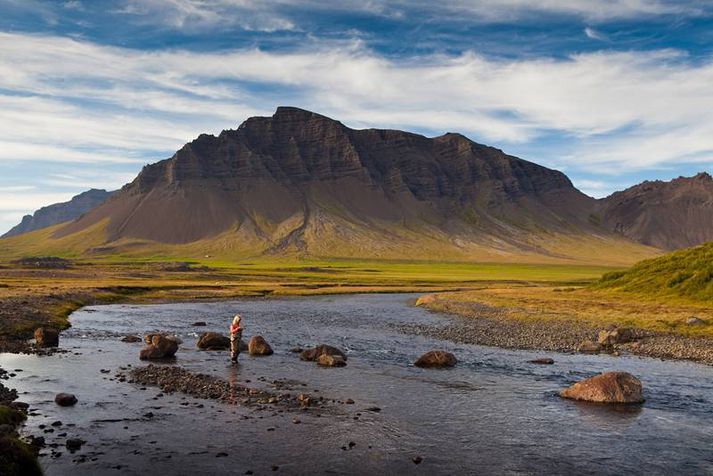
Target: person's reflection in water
x,y
234,392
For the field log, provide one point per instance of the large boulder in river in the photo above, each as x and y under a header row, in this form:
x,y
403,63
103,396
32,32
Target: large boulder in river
x,y
65,399
313,354
327,360
609,387
259,346
615,335
46,337
436,359
213,341
168,346
161,347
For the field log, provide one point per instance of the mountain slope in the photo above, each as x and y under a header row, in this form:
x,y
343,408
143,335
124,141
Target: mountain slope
x,y
666,215
59,212
301,184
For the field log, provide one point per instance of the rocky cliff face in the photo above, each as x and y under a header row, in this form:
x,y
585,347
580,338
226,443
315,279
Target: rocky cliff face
x,y
299,180
665,215
59,212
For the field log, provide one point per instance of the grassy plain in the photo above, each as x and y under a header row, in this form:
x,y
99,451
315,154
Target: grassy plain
x,y
32,296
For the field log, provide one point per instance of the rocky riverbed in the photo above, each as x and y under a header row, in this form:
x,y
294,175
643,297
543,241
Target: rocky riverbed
x,y
494,410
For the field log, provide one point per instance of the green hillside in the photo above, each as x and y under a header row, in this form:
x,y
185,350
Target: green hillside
x,y
686,274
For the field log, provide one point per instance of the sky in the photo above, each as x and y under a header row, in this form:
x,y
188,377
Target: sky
x,y
611,92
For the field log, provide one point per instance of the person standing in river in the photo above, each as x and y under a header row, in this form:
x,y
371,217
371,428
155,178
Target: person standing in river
x,y
236,334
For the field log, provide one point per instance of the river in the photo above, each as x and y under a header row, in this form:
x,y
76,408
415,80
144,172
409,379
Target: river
x,y
494,413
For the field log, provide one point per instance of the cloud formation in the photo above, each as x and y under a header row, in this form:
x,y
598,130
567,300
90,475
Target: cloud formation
x,y
74,101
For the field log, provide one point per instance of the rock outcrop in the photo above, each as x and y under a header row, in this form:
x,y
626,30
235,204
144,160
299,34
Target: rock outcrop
x,y
609,387
436,359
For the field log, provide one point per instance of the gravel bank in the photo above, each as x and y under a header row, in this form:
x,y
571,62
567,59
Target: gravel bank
x,y
479,324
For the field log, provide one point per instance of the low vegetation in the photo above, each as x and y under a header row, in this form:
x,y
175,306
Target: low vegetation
x,y
685,275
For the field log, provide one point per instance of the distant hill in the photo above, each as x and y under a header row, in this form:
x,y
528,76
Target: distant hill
x,y
665,215
685,273
59,212
299,183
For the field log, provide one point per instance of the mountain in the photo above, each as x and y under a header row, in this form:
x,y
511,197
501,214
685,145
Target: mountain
x,y
298,183
665,215
59,212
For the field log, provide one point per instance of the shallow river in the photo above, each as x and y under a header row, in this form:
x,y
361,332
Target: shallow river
x,y
494,413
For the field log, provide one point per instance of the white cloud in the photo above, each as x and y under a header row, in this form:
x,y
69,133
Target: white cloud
x,y
594,34
68,101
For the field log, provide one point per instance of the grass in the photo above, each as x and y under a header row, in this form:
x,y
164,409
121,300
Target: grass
x,y
685,276
581,304
32,297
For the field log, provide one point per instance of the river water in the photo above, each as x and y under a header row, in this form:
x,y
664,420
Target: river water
x,y
493,413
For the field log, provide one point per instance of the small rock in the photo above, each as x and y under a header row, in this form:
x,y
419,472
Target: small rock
x,y
589,347
56,423
74,444
274,467
199,324
65,399
131,339
313,354
695,321
349,401
615,335
326,360
542,361
436,359
417,460
221,455
296,350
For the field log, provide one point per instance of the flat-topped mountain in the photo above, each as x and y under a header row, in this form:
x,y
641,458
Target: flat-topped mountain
x,y
666,215
303,184
59,212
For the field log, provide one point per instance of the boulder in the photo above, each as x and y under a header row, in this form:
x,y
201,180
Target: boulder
x,y
259,346
131,339
615,335
609,387
313,354
695,321
150,352
200,324
327,360
589,347
213,341
46,337
168,346
65,399
436,359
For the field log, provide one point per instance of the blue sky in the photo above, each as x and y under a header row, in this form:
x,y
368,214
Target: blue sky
x,y
611,92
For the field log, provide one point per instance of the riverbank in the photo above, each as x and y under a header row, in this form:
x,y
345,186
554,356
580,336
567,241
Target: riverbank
x,y
550,319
